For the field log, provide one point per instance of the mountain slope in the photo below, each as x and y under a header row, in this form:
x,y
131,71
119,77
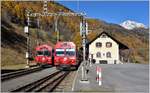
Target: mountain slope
x,y
137,41
13,21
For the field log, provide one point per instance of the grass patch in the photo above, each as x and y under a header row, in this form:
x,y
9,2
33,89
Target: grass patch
x,y
16,66
11,57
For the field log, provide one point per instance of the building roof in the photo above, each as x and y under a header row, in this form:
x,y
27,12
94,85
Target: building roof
x,y
121,45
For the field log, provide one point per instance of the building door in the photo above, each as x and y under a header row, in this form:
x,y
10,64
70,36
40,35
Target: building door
x,y
103,61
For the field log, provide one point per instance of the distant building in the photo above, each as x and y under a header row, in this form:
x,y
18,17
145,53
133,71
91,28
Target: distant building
x,y
105,49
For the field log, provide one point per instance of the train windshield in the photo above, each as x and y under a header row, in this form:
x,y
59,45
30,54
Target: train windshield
x,y
70,52
60,52
46,53
43,53
39,53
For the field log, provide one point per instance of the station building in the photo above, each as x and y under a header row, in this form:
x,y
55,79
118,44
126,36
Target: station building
x,y
105,49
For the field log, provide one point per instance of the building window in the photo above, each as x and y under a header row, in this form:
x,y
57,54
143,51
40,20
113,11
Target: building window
x,y
108,44
108,54
98,44
104,36
98,54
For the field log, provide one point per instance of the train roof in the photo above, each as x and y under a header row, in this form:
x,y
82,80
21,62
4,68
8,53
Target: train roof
x,y
65,45
43,46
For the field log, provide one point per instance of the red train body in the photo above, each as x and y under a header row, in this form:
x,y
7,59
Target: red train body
x,y
65,54
43,54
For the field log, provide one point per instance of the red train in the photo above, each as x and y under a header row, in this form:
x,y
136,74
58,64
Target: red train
x,y
65,55
43,54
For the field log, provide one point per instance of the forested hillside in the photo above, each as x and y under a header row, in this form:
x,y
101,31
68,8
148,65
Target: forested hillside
x,y
13,19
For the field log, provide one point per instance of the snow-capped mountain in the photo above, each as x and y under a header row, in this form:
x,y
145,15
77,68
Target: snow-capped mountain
x,y
132,24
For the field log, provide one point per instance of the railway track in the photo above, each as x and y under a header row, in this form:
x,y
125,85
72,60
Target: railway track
x,y
46,84
66,84
16,74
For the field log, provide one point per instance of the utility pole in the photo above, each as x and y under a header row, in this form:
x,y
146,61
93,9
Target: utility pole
x,y
45,13
84,39
56,28
28,40
45,7
83,32
38,24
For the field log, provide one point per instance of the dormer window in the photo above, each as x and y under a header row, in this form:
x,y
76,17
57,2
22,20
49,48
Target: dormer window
x,y
98,44
104,36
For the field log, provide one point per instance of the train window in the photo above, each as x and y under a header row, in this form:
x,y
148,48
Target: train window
x,y
60,52
70,52
39,53
47,53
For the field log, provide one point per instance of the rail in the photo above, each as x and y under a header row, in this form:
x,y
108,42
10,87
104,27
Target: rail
x,y
15,74
46,84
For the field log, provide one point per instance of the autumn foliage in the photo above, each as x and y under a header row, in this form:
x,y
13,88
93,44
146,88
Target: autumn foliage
x,y
15,12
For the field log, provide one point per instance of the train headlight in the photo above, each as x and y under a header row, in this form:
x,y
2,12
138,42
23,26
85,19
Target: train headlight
x,y
65,59
49,59
72,58
56,60
43,58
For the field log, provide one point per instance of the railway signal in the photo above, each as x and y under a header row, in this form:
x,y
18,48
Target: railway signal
x,y
26,29
45,7
83,28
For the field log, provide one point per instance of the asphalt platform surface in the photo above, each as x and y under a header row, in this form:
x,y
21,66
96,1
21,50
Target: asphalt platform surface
x,y
130,78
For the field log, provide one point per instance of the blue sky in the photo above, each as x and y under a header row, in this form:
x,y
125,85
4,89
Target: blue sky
x,y
112,11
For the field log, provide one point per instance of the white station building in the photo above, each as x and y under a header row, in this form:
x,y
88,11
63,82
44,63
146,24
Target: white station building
x,y
104,49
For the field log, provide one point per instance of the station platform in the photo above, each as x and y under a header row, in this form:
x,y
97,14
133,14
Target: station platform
x,y
115,78
91,85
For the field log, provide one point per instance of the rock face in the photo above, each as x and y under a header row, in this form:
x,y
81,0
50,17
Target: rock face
x,y
132,25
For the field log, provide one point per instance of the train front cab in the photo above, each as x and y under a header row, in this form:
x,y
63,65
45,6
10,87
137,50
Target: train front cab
x,y
65,58
43,57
